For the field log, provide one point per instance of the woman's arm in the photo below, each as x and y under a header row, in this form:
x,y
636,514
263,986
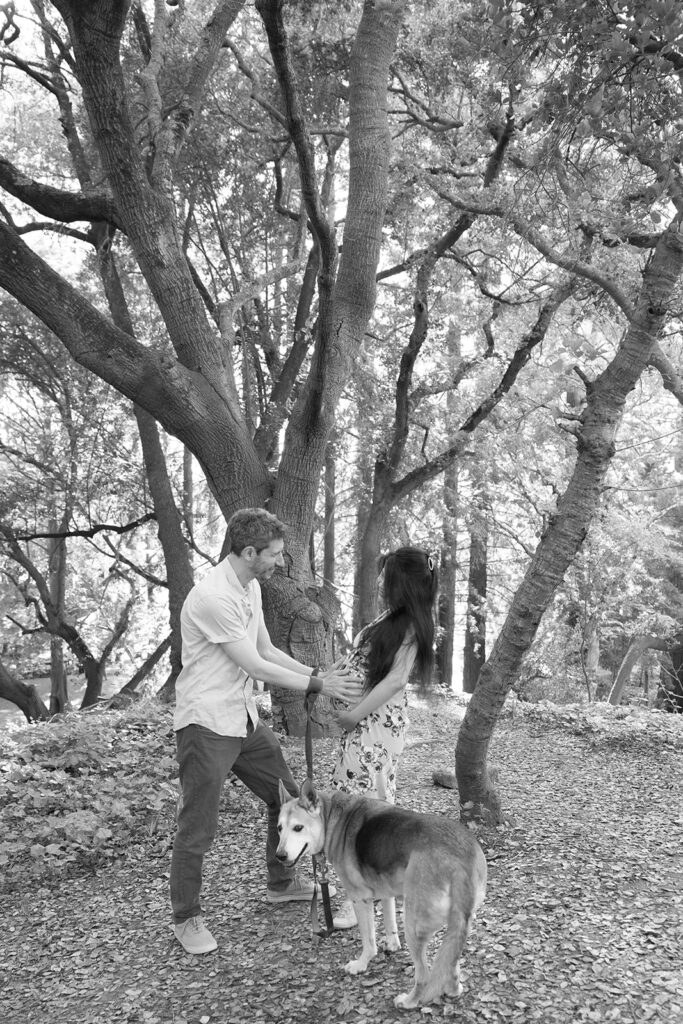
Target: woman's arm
x,y
393,682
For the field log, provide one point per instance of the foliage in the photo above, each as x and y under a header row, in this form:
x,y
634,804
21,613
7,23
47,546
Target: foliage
x,y
83,792
607,727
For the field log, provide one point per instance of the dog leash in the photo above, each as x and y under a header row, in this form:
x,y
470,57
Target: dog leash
x,y
319,859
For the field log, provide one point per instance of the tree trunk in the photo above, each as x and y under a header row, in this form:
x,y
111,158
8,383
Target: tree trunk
x,y
329,535
345,307
176,557
636,648
94,677
301,621
179,575
57,568
449,543
590,657
670,693
24,697
148,664
475,630
365,589
59,689
566,529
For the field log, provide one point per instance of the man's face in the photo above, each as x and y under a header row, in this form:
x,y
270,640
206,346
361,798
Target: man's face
x,y
267,560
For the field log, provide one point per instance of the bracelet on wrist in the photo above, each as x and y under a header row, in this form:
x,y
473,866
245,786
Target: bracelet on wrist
x,y
315,683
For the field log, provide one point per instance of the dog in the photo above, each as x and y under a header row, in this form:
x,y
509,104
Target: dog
x,y
380,851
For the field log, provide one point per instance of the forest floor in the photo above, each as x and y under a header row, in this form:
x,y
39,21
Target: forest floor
x,y
583,920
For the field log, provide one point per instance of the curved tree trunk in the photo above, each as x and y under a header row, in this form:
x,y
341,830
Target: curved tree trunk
x,y
567,529
24,696
636,648
148,664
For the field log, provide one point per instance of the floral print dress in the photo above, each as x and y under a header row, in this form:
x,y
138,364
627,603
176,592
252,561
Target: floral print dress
x,y
368,756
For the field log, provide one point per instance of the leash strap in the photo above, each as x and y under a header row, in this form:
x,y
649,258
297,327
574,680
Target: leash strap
x,y
309,701
324,933
319,860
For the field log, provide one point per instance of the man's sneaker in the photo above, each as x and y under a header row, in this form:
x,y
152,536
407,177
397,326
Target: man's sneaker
x,y
296,890
346,917
194,936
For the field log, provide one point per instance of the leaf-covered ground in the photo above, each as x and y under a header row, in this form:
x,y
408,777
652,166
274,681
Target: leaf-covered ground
x,y
583,919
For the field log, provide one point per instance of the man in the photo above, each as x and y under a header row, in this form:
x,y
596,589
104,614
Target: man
x,y
225,647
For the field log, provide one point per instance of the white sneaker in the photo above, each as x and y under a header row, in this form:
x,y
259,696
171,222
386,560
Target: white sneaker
x,y
194,936
346,918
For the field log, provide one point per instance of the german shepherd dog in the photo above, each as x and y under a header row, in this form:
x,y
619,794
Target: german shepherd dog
x,y
380,851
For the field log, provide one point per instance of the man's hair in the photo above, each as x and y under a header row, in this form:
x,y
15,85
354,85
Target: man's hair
x,y
253,527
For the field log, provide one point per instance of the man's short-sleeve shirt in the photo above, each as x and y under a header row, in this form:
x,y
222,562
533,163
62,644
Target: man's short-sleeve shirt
x,y
211,689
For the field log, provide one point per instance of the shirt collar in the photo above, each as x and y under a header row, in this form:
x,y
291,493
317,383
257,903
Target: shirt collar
x,y
233,579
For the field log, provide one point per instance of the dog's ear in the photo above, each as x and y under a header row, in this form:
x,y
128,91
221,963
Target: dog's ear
x,y
284,795
308,796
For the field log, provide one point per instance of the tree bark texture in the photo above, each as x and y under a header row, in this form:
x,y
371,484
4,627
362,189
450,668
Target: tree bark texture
x,y
567,529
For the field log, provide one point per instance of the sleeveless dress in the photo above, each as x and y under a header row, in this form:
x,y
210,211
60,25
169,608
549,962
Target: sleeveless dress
x,y
368,756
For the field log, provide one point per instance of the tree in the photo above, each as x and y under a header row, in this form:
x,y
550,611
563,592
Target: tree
x,y
191,391
596,430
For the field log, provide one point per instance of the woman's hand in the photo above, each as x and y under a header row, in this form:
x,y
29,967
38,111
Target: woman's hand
x,y
346,721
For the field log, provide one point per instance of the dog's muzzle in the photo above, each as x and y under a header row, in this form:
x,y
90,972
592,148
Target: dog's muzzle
x,y
283,856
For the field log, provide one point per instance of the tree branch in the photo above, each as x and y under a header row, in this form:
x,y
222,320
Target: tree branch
x,y
271,14
56,203
531,340
169,136
525,230
91,532
671,377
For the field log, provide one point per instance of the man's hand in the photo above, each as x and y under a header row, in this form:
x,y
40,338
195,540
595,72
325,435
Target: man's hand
x,y
342,683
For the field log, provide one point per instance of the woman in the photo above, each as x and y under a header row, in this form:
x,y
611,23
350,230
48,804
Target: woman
x,y
385,653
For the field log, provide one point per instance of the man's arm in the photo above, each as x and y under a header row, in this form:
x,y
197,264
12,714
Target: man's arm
x,y
341,684
268,651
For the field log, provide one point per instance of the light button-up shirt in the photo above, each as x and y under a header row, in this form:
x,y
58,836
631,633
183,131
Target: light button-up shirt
x,y
211,689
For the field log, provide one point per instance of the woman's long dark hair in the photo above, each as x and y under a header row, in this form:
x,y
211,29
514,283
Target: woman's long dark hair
x,y
410,587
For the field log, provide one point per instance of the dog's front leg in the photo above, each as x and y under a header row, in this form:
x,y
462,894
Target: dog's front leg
x,y
365,915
